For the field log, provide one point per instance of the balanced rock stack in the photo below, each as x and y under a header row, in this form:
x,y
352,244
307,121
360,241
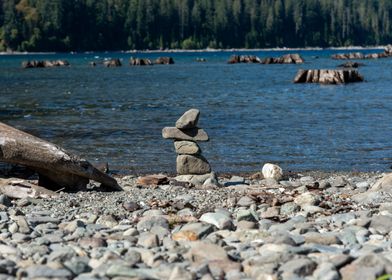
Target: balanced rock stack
x,y
185,135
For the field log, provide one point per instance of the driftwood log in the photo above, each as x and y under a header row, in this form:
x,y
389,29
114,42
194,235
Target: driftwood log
x,y
56,167
18,188
323,76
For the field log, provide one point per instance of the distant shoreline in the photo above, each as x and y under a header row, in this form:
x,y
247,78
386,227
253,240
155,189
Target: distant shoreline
x,y
200,50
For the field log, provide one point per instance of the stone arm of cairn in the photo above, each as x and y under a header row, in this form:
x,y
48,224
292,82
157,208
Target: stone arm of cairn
x,y
55,166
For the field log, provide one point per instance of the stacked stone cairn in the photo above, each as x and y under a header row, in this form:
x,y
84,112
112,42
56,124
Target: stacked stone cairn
x,y
186,134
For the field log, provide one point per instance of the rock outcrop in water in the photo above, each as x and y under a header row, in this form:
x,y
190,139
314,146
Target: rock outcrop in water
x,y
139,61
164,60
285,59
358,55
323,76
115,62
44,63
244,59
55,166
186,134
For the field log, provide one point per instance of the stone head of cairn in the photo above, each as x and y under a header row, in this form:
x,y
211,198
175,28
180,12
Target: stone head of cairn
x,y
186,134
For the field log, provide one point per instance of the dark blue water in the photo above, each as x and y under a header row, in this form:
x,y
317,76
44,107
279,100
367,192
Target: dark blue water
x,y
253,113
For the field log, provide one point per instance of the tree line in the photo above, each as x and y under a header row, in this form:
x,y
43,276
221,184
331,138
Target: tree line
x,y
84,25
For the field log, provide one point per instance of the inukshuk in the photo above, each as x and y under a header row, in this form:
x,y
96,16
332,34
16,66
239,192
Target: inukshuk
x,y
185,135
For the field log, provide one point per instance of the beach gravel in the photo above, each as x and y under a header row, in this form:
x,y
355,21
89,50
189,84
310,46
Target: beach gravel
x,y
305,226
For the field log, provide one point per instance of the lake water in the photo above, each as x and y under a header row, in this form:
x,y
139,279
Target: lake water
x,y
253,113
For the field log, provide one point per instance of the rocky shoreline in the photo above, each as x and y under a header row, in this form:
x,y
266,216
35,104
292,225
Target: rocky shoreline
x,y
313,225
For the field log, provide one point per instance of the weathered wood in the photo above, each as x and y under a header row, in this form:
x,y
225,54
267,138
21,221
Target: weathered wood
x,y
153,180
55,166
324,76
18,188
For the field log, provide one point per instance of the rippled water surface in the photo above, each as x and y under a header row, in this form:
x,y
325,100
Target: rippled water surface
x,y
253,113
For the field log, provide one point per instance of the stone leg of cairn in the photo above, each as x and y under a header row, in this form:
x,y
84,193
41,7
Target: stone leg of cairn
x,y
186,134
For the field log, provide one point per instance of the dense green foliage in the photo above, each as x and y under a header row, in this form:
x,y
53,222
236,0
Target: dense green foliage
x,y
65,25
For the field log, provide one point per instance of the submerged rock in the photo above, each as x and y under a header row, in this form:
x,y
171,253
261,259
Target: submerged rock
x,y
351,64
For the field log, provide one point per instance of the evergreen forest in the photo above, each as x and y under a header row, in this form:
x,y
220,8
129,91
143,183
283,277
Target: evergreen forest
x,y
94,25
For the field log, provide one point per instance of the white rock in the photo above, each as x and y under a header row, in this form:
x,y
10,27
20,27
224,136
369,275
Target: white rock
x,y
272,171
219,220
384,184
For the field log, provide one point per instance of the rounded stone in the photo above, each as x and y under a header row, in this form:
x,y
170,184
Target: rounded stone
x,y
272,171
189,164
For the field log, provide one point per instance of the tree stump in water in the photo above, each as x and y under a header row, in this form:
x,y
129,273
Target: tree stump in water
x,y
323,76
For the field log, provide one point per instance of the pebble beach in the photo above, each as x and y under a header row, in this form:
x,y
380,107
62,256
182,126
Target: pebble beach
x,y
312,225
